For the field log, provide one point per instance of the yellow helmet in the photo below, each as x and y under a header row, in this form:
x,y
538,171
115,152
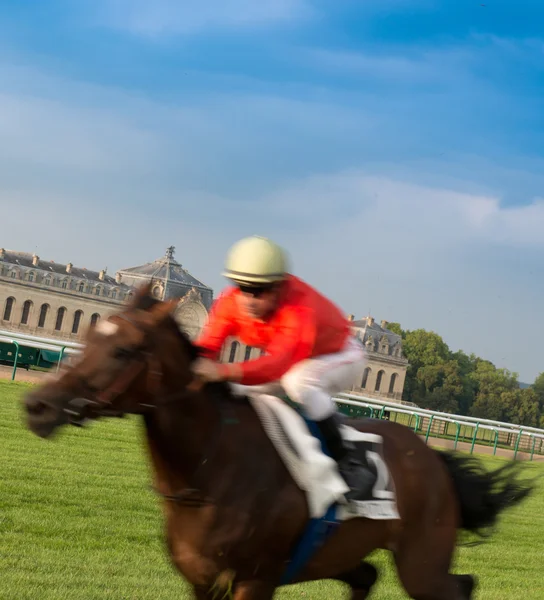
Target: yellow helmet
x,y
255,261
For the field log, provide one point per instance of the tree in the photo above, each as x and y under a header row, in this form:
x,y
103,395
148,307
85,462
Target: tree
x,y
538,388
425,348
434,378
492,381
495,391
456,382
395,328
467,365
439,387
523,408
440,400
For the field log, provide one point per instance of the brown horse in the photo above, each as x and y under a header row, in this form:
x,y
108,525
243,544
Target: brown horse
x,y
233,513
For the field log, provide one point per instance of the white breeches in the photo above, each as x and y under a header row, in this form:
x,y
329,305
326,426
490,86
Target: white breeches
x,y
312,382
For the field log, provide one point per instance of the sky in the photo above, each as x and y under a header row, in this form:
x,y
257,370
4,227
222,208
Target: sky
x,y
394,147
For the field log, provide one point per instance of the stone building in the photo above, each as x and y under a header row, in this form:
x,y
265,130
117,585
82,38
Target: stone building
x,y
385,373
60,301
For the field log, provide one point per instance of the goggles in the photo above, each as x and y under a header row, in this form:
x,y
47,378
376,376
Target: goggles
x,y
255,290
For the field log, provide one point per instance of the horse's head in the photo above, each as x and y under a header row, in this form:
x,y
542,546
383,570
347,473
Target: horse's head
x,y
120,370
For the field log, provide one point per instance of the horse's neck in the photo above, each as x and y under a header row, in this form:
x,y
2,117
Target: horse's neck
x,y
178,435
177,429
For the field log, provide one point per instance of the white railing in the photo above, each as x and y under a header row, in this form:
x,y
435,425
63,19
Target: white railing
x,y
37,345
40,343
533,433
23,337
423,411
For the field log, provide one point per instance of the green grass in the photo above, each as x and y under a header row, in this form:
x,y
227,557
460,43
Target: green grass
x,y
78,521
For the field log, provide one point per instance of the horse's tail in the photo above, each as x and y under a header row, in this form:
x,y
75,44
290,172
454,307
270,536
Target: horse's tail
x,y
483,494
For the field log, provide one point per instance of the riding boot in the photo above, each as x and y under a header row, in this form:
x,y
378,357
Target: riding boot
x,y
358,477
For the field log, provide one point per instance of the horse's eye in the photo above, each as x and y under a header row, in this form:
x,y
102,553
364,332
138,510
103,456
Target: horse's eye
x,y
123,353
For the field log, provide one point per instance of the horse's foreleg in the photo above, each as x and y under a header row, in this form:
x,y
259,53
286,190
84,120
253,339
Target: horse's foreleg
x,y
253,590
360,580
202,593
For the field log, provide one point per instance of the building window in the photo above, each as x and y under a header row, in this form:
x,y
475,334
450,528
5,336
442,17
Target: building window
x,y
81,287
9,308
26,312
77,320
94,319
392,383
379,381
47,280
233,350
43,315
14,274
64,284
31,276
365,377
60,318
114,294
97,291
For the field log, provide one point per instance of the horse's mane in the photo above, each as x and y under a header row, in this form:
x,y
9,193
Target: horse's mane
x,y
146,302
218,389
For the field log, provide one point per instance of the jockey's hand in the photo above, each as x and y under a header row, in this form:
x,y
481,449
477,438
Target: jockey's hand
x,y
207,370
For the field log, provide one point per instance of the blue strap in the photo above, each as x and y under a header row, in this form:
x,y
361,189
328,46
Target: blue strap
x,y
317,530
315,535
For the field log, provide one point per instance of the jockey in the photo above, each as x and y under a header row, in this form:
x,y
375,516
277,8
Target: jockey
x,y
309,351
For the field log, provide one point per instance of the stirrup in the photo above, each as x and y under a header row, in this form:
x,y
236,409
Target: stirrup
x,y
358,477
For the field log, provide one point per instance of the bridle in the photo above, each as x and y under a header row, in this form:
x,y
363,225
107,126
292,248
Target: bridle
x,y
100,404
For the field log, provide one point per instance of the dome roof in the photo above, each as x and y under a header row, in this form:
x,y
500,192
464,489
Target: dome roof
x,y
166,269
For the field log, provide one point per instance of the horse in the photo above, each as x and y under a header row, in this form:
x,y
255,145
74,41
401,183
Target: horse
x,y
233,513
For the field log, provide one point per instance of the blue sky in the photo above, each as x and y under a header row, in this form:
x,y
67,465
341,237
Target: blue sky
x,y
394,146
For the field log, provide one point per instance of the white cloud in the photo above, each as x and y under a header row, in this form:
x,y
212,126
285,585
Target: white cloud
x,y
359,64
168,17
418,68
433,213
42,131
516,225
424,64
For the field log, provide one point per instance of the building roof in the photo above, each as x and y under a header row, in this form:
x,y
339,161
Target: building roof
x,y
25,259
376,330
167,269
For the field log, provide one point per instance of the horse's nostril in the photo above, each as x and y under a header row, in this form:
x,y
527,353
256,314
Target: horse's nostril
x,y
35,407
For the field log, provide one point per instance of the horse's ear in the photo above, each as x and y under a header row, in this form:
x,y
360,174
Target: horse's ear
x,y
162,310
144,291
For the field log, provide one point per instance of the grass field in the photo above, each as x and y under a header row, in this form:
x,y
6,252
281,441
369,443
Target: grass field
x,y
78,521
